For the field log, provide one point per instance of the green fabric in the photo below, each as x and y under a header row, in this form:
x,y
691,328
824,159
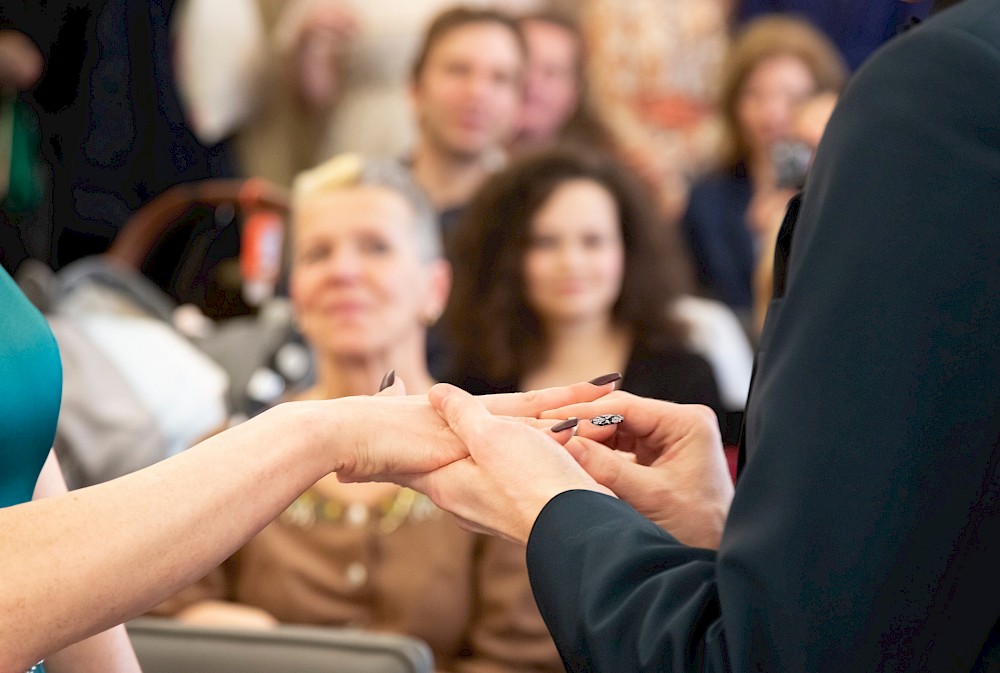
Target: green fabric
x,y
30,392
25,190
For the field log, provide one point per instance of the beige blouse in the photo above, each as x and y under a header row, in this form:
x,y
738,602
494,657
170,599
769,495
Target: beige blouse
x,y
401,566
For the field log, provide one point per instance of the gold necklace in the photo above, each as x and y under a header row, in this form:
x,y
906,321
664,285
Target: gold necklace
x,y
311,508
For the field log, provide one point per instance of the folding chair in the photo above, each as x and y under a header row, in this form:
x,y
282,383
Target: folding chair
x,y
167,646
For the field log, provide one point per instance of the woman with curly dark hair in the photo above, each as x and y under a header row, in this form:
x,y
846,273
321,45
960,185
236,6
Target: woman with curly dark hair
x,y
558,275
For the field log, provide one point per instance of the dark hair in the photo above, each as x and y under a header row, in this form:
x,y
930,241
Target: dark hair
x,y
494,334
459,17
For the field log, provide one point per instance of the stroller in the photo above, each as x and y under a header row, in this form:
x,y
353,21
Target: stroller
x,y
165,341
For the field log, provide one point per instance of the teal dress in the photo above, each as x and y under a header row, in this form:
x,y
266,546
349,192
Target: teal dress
x,y
30,390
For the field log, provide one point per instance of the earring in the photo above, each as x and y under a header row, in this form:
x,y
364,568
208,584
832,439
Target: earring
x,y
430,317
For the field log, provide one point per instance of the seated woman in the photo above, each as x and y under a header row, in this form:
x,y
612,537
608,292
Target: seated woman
x,y
367,278
559,275
774,63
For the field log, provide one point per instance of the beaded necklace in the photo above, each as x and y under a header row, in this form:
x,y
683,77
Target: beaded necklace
x,y
311,508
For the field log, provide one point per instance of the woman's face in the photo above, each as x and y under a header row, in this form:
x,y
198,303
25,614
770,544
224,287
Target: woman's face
x,y
357,282
575,260
768,98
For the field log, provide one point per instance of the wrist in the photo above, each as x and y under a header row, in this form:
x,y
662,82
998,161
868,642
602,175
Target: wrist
x,y
313,434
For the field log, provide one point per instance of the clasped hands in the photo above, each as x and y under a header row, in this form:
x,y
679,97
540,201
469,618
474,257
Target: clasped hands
x,y
494,462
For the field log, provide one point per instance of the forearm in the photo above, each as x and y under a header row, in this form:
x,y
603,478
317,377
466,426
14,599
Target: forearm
x,y
80,563
106,652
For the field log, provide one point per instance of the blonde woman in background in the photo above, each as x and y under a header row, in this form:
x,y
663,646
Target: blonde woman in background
x,y
367,279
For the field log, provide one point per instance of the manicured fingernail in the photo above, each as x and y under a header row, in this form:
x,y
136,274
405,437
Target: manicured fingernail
x,y
607,419
565,425
604,380
387,380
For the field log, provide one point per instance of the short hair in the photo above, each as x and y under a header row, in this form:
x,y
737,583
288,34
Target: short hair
x,y
762,39
494,334
459,17
348,170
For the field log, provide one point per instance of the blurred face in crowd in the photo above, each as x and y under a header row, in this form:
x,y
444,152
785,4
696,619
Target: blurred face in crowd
x,y
551,87
468,94
574,264
768,99
358,283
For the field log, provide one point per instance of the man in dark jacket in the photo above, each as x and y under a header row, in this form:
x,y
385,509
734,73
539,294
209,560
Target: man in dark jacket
x,y
864,534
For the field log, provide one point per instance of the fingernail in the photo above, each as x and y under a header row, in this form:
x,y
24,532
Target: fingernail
x,y
387,380
606,379
607,419
565,425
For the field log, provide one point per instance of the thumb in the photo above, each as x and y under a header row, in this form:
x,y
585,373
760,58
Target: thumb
x,y
606,466
463,413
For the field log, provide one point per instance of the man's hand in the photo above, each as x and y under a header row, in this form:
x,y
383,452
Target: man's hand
x,y
393,434
664,459
512,469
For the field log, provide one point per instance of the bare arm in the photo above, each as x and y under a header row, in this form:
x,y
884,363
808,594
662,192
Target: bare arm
x,y
80,563
109,651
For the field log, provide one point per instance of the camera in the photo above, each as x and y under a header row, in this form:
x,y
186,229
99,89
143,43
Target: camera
x,y
791,160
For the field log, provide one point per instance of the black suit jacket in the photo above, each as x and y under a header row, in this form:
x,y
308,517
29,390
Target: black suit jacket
x,y
865,531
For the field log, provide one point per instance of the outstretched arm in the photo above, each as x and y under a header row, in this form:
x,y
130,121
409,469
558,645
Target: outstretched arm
x,y
77,564
107,652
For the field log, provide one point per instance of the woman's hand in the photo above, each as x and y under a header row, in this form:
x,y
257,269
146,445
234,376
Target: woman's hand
x,y
393,434
664,459
511,470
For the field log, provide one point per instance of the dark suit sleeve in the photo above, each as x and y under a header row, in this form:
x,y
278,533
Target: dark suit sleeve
x,y
864,533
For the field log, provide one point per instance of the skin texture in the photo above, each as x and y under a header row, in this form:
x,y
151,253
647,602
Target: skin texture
x,y
666,460
767,101
469,91
551,88
575,262
358,284
466,100
511,472
107,651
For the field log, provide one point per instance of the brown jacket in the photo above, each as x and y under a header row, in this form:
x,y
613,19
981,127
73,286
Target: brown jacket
x,y
402,566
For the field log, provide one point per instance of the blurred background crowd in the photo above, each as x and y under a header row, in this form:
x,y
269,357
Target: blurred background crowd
x,y
223,204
